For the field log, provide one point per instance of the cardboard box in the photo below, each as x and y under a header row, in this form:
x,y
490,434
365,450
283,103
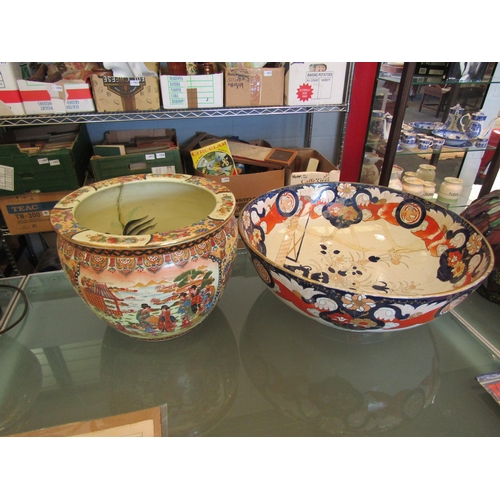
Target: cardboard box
x,y
56,170
41,98
77,97
156,160
64,96
11,102
29,213
112,93
253,87
326,171
246,187
315,83
192,91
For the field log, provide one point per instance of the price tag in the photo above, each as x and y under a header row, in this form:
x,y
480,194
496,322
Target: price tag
x,y
170,169
6,178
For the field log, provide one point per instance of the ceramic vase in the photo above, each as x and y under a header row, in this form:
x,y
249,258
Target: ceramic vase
x,y
426,172
149,254
475,128
450,190
377,125
429,190
409,174
369,171
413,185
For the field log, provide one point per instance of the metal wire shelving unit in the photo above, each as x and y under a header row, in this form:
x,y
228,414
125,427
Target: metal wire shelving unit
x,y
163,114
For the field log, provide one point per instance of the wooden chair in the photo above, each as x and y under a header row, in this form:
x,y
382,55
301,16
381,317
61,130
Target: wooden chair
x,y
431,92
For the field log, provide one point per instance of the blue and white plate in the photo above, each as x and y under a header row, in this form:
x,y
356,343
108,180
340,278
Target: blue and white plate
x,y
467,144
452,137
425,127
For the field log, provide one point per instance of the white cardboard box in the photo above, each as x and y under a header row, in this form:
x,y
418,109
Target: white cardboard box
x,y
65,96
192,91
315,83
40,98
78,96
11,102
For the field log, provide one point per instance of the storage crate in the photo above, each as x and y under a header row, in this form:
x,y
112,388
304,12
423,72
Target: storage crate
x,y
58,170
165,161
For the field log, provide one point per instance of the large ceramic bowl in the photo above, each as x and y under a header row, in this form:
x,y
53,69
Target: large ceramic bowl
x,y
452,138
149,254
362,257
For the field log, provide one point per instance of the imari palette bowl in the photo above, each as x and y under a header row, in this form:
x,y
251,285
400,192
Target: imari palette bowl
x,y
363,257
149,254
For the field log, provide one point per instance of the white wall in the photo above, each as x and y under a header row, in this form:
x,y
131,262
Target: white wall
x,y
472,159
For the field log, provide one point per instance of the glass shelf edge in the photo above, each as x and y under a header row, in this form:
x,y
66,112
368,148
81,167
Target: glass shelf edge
x,y
419,80
407,152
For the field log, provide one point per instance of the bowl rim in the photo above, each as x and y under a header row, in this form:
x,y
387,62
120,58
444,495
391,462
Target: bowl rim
x,y
445,133
62,216
458,291
424,125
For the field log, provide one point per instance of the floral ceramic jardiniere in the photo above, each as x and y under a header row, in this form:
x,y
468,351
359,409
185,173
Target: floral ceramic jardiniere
x,y
149,254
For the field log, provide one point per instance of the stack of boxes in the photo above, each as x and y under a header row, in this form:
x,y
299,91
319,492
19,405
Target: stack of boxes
x,y
229,85
28,174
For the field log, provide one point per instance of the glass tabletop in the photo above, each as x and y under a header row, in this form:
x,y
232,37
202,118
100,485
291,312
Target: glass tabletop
x,y
254,367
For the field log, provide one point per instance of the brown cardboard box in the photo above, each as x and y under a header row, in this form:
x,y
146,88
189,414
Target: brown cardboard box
x,y
326,171
246,187
254,86
29,213
113,93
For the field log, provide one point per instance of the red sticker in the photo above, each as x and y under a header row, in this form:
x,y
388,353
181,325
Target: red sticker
x,y
304,92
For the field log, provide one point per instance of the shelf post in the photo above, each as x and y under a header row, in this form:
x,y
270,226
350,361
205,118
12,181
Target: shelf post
x,y
397,122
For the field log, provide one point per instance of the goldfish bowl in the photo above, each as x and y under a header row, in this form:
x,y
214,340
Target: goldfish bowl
x,y
363,258
149,254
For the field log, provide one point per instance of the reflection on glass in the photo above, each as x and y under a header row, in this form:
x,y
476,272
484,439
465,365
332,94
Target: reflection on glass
x,y
342,383
195,375
20,383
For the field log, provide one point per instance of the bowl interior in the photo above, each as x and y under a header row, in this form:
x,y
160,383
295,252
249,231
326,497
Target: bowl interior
x,y
144,208
365,239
